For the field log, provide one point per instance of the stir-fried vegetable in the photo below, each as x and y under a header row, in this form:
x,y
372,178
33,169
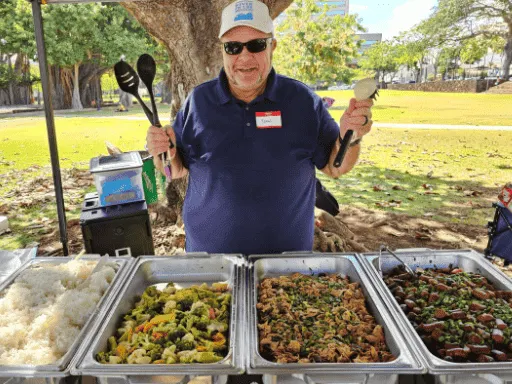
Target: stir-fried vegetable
x,y
173,327
317,319
459,315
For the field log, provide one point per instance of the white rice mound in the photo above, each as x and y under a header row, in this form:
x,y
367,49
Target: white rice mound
x,y
43,311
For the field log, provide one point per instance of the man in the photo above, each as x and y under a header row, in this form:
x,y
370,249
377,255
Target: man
x,y
250,141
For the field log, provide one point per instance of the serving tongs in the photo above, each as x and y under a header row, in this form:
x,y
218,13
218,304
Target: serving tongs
x,y
406,267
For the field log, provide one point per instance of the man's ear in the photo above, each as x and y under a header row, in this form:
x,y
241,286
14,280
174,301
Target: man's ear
x,y
274,44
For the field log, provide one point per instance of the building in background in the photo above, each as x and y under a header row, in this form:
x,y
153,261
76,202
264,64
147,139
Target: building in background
x,y
369,40
338,7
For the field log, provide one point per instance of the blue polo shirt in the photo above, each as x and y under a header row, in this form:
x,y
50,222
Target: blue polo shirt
x,y
252,190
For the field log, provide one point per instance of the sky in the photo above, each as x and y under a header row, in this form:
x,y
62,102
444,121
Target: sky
x,y
390,17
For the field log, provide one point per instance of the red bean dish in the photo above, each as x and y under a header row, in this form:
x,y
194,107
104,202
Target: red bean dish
x,y
459,315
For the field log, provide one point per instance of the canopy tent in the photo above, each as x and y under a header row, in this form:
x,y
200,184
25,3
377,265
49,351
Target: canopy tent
x,y
48,108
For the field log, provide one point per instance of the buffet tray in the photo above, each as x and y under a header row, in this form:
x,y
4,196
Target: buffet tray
x,y
347,265
469,261
61,367
184,271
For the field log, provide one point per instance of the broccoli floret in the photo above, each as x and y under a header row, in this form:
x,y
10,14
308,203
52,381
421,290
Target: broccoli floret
x,y
185,298
185,345
177,333
187,356
112,343
199,309
155,354
103,357
202,323
225,299
198,334
207,357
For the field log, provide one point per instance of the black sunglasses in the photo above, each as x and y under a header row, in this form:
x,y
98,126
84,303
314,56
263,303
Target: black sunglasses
x,y
253,46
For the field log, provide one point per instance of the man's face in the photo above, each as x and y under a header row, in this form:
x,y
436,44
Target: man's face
x,y
247,71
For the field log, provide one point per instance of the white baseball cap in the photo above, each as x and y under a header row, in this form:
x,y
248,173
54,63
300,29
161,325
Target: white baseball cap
x,y
251,13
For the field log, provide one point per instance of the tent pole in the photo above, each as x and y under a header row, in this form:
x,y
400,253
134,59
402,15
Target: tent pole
x,y
50,123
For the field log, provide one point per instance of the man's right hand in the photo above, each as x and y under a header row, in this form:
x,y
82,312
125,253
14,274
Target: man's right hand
x,y
158,140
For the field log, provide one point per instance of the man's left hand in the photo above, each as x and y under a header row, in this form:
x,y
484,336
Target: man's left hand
x,y
357,114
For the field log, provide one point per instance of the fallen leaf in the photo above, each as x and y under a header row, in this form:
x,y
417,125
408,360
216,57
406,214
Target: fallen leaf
x,y
430,193
392,231
429,175
398,188
472,193
422,236
378,188
427,186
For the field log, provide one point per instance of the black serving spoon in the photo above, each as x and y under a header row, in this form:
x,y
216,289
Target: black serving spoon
x,y
128,81
146,67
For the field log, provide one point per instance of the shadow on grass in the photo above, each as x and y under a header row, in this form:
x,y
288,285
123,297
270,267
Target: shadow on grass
x,y
371,187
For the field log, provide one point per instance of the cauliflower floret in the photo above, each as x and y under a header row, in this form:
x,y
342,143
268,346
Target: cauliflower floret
x,y
114,360
138,357
169,306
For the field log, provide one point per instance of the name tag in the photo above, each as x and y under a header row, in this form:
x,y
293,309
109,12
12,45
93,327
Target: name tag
x,y
269,119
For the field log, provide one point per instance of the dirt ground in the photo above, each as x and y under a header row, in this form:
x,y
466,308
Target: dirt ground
x,y
353,230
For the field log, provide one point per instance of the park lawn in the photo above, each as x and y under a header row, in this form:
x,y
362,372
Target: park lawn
x,y
468,167
432,107
24,142
449,175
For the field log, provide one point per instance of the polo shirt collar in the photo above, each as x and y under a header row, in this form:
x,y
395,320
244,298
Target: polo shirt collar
x,y
225,96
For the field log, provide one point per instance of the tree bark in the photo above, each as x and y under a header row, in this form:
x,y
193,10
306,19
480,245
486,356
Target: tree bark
x,y
166,90
61,87
189,30
508,58
76,103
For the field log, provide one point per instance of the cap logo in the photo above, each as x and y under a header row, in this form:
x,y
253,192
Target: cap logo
x,y
243,11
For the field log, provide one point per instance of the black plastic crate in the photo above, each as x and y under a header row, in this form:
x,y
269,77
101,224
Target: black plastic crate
x,y
117,230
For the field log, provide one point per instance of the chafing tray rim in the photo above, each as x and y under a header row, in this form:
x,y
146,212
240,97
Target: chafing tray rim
x,y
434,364
406,362
85,364
61,368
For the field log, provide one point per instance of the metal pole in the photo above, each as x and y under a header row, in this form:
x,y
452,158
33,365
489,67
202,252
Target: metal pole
x,y
50,124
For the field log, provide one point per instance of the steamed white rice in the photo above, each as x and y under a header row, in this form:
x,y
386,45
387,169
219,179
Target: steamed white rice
x,y
43,311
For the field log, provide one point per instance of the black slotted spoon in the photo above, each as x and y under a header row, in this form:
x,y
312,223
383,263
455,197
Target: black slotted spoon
x,y
128,81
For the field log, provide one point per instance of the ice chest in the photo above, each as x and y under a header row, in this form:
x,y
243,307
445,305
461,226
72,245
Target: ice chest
x,y
118,178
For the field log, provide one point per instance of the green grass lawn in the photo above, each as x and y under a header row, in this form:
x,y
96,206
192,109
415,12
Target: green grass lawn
x,y
466,168
24,142
450,175
432,107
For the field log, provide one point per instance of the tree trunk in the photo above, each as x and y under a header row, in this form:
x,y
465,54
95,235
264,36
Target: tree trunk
x,y
125,99
508,58
76,103
189,30
11,82
61,87
166,90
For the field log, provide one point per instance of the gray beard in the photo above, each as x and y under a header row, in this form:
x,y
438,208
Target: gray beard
x,y
260,78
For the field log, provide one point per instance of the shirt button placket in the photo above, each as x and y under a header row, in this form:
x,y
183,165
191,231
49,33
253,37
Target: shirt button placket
x,y
248,129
